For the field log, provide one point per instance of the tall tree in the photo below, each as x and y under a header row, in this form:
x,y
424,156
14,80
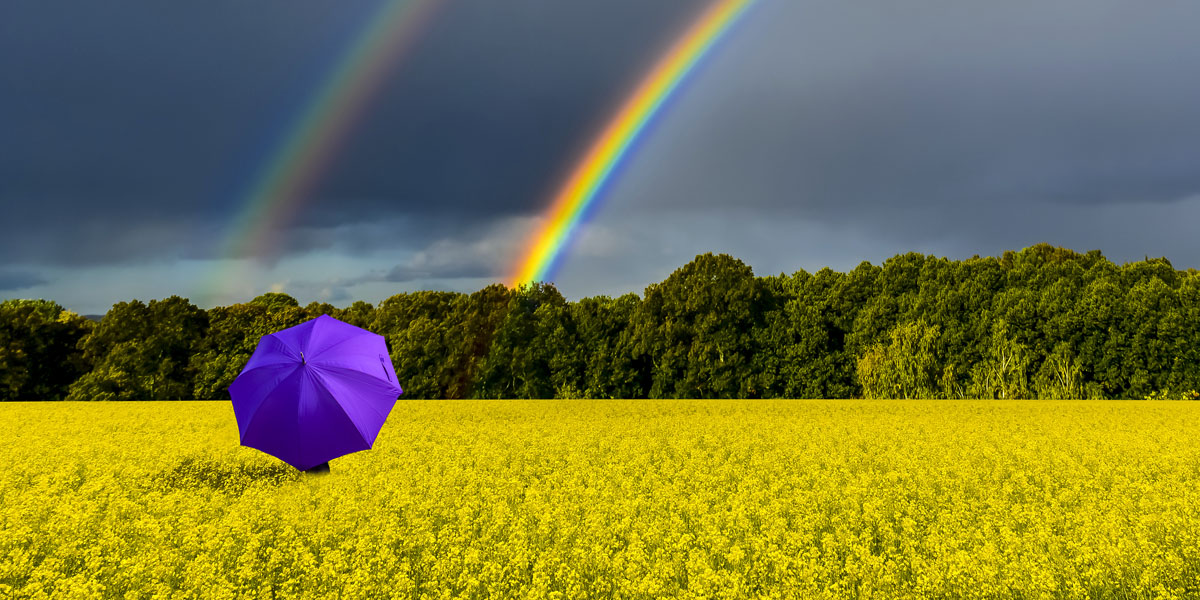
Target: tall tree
x,y
801,340
39,358
1004,372
1152,331
1185,367
233,334
472,328
142,352
316,309
276,301
611,369
905,367
418,330
535,337
1060,376
696,328
360,314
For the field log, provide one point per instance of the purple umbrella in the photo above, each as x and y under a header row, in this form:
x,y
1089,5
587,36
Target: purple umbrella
x,y
314,392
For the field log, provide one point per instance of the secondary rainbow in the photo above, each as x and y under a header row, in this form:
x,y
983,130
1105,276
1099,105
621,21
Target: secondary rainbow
x,y
303,154
583,186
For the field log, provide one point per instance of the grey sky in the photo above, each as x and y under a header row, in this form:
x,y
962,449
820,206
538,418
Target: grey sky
x,y
818,133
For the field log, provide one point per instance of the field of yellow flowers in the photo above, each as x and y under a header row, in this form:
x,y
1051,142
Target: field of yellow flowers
x,y
611,499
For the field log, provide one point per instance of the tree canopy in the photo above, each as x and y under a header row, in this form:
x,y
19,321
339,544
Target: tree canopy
x,y
1044,322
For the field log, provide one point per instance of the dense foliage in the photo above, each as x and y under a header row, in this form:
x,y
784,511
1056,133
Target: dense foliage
x,y
39,349
1045,322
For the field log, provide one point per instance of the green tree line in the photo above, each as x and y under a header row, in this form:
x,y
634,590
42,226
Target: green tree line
x,y
1045,322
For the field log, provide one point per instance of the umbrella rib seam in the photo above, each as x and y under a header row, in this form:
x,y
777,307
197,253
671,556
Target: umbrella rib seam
x,y
259,411
321,376
356,371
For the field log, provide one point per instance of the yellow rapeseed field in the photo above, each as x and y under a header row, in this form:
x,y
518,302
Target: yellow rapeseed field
x,y
611,499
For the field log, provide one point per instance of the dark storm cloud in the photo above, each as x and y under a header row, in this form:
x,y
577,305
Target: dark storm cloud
x,y
923,119
138,105
155,116
498,104
132,129
124,122
19,280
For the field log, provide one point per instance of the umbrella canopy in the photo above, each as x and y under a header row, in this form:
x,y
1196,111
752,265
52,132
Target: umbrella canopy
x,y
314,392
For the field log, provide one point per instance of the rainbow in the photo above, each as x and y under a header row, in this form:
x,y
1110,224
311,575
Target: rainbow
x,y
584,184
308,147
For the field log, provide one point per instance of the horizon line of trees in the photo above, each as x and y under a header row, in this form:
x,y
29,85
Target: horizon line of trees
x,y
1045,322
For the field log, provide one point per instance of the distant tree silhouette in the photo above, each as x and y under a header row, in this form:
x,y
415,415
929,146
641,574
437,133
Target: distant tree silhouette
x,y
1044,322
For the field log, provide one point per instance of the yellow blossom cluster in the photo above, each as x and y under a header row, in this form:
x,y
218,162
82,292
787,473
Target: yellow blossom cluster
x,y
611,499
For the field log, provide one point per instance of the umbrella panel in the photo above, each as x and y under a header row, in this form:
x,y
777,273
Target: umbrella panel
x,y
316,391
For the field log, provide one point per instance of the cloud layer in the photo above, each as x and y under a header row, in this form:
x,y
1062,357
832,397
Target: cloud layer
x,y
818,133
